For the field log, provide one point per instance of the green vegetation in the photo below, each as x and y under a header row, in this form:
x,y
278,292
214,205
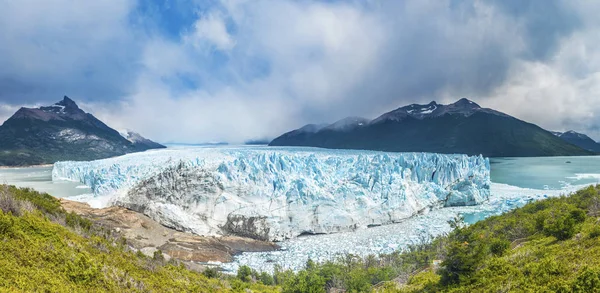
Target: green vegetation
x,y
547,246
43,248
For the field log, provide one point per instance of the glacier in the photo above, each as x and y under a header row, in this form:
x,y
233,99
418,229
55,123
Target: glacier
x,y
275,194
419,229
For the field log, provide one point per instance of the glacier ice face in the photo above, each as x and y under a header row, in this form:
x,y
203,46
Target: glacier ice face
x,y
279,193
387,239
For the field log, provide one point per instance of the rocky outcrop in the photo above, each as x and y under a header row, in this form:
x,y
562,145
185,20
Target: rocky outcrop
x,y
255,227
148,236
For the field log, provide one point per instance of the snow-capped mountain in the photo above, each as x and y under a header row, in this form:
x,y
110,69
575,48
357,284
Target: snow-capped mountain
x,y
140,142
460,127
462,107
278,193
61,131
579,139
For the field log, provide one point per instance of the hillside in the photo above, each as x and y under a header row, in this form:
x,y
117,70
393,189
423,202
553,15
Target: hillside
x,y
45,249
547,246
461,127
61,132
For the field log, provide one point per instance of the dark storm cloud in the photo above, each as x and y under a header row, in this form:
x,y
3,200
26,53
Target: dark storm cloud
x,y
544,21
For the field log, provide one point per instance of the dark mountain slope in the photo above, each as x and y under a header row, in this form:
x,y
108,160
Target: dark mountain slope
x,y
58,132
579,139
462,127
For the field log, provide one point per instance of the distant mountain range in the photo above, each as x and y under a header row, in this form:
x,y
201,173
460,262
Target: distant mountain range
x,y
63,132
461,127
579,139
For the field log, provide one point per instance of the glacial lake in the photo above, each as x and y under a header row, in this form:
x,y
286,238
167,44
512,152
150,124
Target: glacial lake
x,y
40,179
546,172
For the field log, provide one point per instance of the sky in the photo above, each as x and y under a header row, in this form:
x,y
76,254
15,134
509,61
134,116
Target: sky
x,y
193,71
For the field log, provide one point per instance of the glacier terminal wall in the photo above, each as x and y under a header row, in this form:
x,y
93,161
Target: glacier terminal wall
x,y
280,193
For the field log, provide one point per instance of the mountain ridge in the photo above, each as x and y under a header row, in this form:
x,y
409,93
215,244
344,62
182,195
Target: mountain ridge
x,y
579,139
460,127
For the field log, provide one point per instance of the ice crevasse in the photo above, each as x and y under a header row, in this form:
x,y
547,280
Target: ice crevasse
x,y
280,193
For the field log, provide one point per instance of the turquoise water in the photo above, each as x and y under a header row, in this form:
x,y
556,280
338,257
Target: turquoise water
x,y
40,179
545,172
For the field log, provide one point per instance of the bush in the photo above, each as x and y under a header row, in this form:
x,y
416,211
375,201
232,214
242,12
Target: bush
x,y
158,256
498,247
6,225
245,273
42,201
587,282
465,254
76,221
563,221
267,279
211,273
9,204
595,232
305,281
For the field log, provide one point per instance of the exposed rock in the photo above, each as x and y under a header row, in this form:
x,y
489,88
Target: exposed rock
x,y
149,236
248,226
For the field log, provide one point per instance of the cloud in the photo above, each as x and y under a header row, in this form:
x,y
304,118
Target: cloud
x,y
561,94
211,29
54,47
234,70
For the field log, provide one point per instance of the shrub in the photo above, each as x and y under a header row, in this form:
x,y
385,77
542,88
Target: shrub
x,y
245,273
6,225
8,204
158,256
305,281
595,232
563,221
587,282
499,246
267,279
75,221
211,273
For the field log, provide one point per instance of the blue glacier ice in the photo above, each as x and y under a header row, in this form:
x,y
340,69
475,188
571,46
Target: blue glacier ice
x,y
280,193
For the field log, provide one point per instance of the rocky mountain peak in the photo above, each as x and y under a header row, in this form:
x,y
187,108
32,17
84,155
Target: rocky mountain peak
x,y
466,103
65,107
67,103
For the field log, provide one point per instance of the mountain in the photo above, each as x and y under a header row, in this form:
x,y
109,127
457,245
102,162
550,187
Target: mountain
x,y
61,132
579,139
461,127
139,142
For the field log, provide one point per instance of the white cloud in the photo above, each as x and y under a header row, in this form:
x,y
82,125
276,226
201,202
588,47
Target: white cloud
x,y
562,94
6,111
211,28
